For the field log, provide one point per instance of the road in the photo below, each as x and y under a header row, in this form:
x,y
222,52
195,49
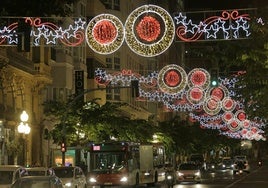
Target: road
x,y
257,178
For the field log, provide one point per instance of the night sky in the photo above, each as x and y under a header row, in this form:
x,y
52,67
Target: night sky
x,y
220,4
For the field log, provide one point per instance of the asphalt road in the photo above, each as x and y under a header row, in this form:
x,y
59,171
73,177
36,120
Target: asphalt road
x,y
257,178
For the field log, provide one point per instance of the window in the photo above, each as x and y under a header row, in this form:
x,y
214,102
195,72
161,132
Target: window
x,y
112,4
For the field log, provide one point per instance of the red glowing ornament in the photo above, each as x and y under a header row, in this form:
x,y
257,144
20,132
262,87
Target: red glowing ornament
x,y
228,104
195,94
172,78
198,78
218,93
148,28
241,115
228,116
104,32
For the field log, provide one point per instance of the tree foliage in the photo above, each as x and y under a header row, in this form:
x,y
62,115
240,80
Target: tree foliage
x,y
97,123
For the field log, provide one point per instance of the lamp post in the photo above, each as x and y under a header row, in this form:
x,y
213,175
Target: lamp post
x,y
24,129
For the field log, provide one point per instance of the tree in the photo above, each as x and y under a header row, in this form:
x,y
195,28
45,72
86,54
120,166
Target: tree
x,y
35,8
95,122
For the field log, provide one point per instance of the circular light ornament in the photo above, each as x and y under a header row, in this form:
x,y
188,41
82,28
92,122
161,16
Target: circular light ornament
x,y
234,125
241,115
195,95
198,77
172,79
227,117
212,106
228,104
149,30
105,34
219,92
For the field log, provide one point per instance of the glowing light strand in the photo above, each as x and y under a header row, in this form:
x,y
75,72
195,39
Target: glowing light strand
x,y
179,102
52,34
230,25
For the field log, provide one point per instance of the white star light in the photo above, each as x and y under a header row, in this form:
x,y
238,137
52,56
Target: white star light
x,y
180,19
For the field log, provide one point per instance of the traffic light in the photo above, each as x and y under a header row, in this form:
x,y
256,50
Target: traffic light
x,y
214,77
24,36
63,147
135,88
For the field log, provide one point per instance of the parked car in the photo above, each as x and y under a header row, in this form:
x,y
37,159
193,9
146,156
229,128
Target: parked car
x,y
39,171
38,182
10,173
188,172
71,176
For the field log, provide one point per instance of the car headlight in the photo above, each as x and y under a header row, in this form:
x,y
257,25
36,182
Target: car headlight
x,y
92,180
197,174
123,179
69,184
180,174
169,177
223,166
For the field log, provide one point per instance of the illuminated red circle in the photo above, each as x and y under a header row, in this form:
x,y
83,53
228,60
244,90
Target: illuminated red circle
x,y
228,104
172,78
104,32
196,94
198,78
234,124
241,116
212,104
246,123
218,93
228,116
148,28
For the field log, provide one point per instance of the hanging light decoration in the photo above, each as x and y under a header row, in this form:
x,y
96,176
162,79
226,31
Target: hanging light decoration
x,y
172,79
199,77
149,30
105,34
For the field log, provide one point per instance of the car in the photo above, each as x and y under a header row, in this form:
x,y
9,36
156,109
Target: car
x,y
10,173
188,172
39,171
238,160
199,160
71,176
226,163
38,182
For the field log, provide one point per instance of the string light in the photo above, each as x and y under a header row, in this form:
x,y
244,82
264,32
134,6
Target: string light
x,y
229,25
105,34
213,108
149,30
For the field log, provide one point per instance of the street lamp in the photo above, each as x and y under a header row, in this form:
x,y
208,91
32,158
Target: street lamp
x,y
24,129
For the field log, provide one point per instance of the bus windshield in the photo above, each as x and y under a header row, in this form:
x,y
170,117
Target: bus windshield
x,y
110,161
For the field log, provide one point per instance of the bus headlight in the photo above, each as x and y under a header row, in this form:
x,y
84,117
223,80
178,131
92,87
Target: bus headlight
x,y
123,179
92,180
69,184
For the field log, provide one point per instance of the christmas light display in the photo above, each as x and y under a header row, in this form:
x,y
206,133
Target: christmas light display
x,y
213,108
229,25
172,79
52,34
105,34
149,30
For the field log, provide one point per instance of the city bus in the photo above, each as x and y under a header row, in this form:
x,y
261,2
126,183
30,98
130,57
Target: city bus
x,y
124,163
